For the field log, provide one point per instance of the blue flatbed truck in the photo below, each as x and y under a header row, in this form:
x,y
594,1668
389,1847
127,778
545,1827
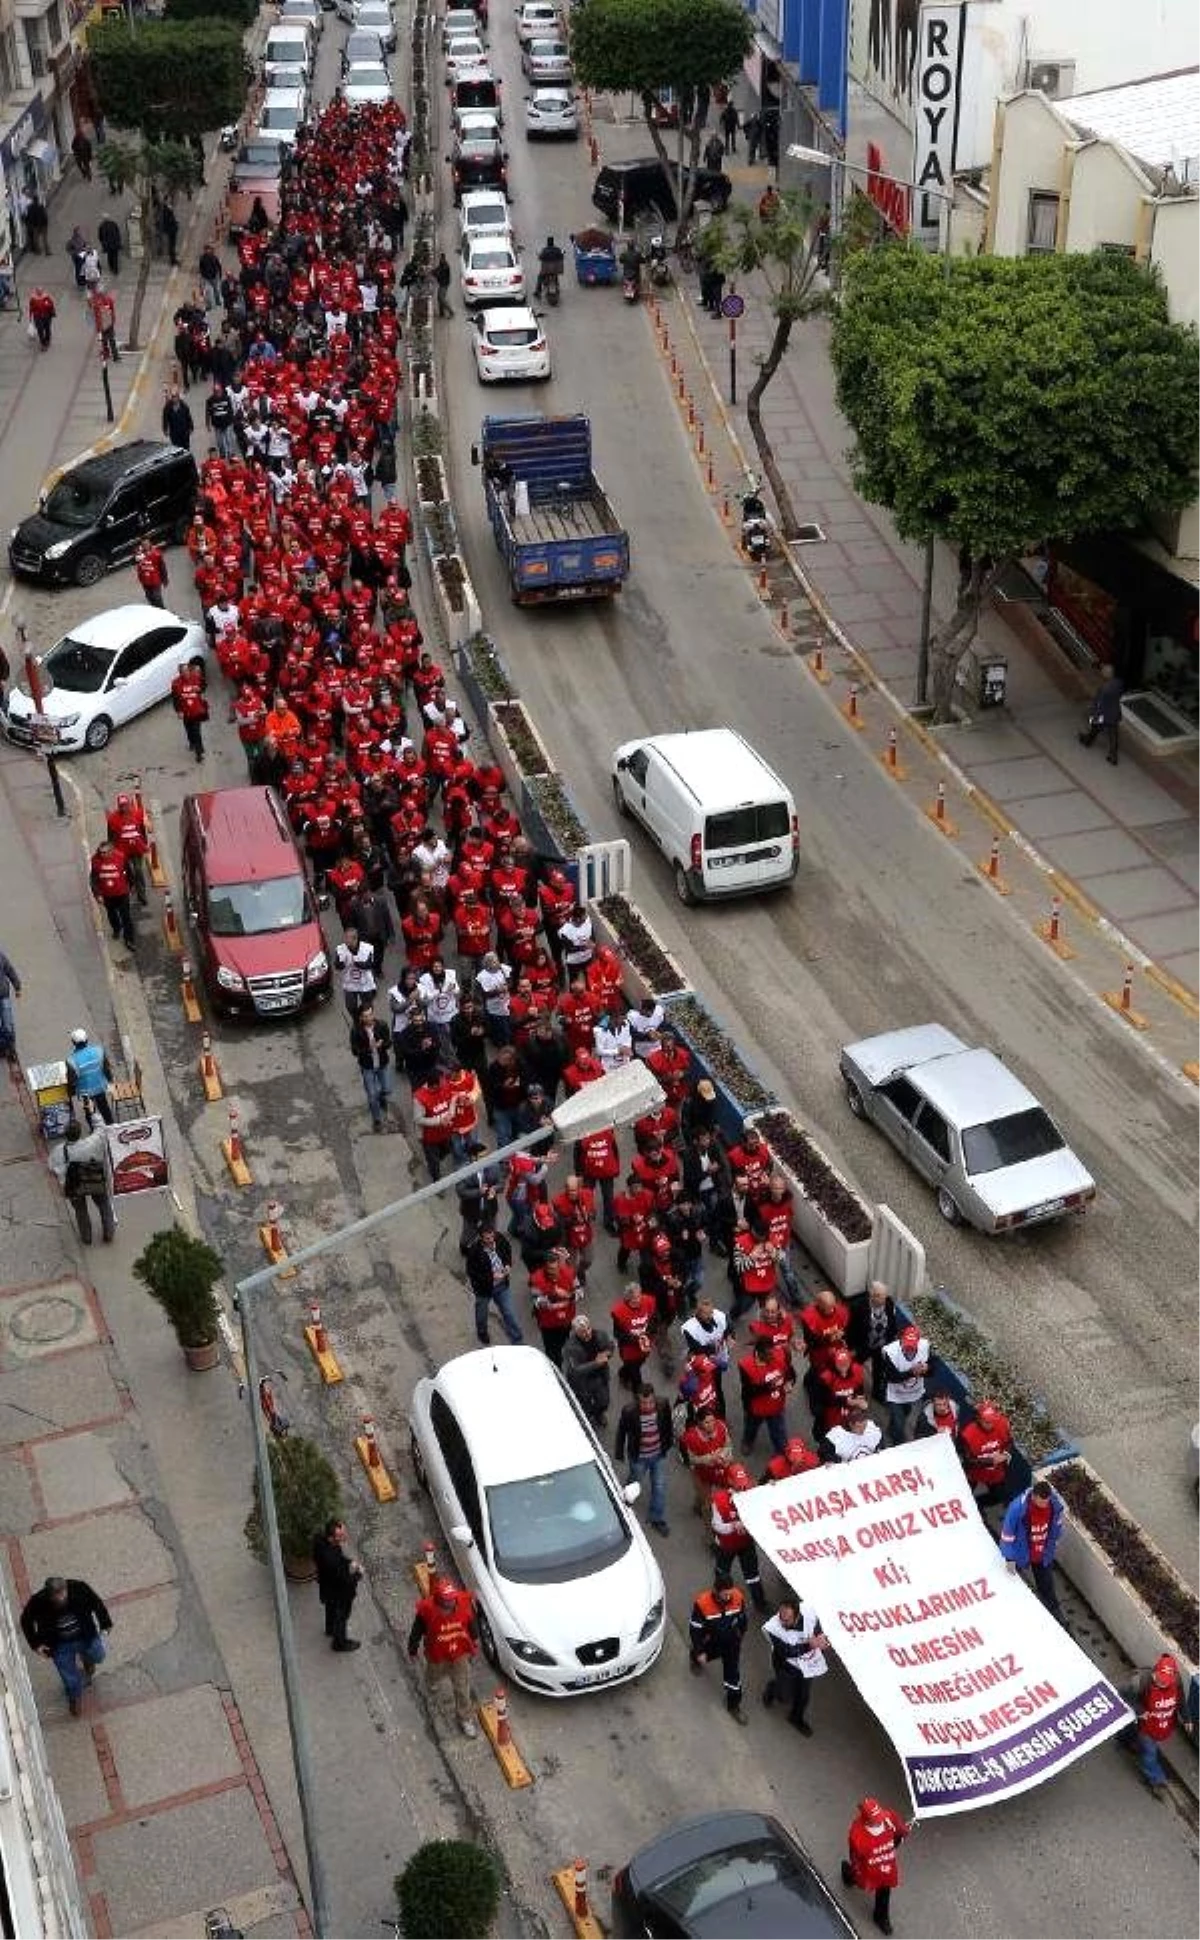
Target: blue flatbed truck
x,y
552,521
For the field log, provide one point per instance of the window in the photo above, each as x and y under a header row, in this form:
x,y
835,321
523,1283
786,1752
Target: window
x,y
1014,1140
140,652
638,763
33,42
1043,223
932,1127
549,1528
741,828
10,72
458,1462
54,24
902,1096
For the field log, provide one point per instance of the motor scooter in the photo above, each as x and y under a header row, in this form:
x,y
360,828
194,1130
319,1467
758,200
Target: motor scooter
x,y
756,526
660,268
631,276
229,138
549,287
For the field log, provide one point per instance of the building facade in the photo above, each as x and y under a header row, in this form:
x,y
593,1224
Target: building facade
x,y
41,50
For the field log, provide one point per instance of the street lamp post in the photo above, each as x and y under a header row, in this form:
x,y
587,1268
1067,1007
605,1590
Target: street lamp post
x,y
820,158
611,1101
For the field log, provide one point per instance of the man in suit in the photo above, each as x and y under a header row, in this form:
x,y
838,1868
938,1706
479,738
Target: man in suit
x,y
873,1323
338,1578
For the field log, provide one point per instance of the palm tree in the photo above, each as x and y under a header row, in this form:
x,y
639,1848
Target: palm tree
x,y
149,166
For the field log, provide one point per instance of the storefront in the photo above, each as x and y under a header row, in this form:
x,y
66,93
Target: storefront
x,y
29,161
1132,614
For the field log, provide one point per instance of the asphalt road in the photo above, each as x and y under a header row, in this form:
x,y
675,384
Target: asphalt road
x,y
882,928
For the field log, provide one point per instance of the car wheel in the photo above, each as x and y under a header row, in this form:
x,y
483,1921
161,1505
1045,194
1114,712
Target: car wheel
x,y
948,1207
619,798
683,887
99,734
89,569
487,1639
418,1463
854,1099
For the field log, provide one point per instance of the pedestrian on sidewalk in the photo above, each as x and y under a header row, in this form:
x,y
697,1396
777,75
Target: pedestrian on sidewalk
x,y
83,1168
219,417
92,270
1105,712
10,987
177,421
108,235
42,312
441,277
714,151
110,885
89,1075
168,223
191,703
768,203
77,249
729,127
104,316
37,226
874,1835
338,1578
445,1622
81,148
752,129
211,272
67,1622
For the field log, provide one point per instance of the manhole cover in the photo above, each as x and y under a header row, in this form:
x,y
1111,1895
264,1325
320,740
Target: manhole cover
x,y
809,535
45,1320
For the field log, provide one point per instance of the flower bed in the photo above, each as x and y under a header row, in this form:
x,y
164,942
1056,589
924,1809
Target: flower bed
x,y
984,1373
717,1051
548,803
481,661
652,968
528,755
1168,1599
452,575
432,489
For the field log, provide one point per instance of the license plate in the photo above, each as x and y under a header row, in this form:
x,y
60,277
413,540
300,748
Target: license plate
x,y
1044,1211
276,1003
604,1676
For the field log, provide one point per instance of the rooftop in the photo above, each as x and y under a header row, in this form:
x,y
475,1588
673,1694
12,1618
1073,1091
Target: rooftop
x,y
1157,120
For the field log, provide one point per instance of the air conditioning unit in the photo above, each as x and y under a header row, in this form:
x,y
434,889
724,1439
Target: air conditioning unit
x,y
1053,78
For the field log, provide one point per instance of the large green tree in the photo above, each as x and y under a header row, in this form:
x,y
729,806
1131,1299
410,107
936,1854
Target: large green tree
x,y
999,402
168,79
241,11
642,47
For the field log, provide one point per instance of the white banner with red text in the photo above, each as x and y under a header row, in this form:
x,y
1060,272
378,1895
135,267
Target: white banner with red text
x,y
982,1693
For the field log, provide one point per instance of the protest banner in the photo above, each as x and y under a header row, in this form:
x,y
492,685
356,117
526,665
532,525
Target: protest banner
x,y
982,1693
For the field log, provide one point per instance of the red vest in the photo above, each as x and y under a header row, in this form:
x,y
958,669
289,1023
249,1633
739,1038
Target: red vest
x,y
598,1156
447,1635
766,1383
110,874
873,1853
633,1331
1156,1714
983,1451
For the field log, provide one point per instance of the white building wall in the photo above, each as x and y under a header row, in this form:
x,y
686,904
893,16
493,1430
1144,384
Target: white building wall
x,y
1107,199
1031,153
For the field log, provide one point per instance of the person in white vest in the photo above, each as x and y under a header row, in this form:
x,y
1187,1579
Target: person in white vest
x,y
858,1435
905,1366
797,1657
645,1020
612,1040
438,989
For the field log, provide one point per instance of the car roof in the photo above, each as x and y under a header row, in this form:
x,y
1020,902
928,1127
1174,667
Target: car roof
x,y
967,1086
107,466
491,239
767,1911
283,98
472,198
883,1057
514,1413
117,624
246,835
503,316
552,91
718,766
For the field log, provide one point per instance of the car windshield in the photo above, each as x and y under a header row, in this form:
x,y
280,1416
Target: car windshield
x,y
260,155
1010,1141
552,103
557,48
76,501
367,77
491,259
548,1527
708,1883
513,338
78,667
281,116
290,54
253,908
761,822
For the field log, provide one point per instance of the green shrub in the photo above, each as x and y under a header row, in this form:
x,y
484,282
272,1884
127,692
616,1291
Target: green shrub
x,y
449,1888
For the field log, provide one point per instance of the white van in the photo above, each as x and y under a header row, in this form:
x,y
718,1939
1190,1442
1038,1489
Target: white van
x,y
720,815
288,56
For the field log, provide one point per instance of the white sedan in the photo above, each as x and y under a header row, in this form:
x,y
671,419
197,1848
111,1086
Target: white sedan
x,y
551,111
547,60
490,270
282,114
485,212
465,51
373,18
570,1598
536,19
103,673
509,344
366,81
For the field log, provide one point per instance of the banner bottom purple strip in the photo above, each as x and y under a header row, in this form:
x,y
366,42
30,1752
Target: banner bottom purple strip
x,y
956,1779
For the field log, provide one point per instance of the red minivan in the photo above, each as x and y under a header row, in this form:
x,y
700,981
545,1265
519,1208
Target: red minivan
x,y
261,949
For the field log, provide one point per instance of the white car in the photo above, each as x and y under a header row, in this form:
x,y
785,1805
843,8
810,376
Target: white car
x,y
569,1596
367,81
362,45
103,673
460,20
546,60
464,53
490,270
536,19
282,112
484,212
509,344
551,111
305,13
372,17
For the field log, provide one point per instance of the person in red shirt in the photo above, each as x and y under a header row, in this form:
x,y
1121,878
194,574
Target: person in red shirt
x,y
824,1321
598,1163
752,1155
985,1448
731,1538
126,825
191,704
555,1292
766,1375
445,1622
575,1206
753,1268
110,885
434,1104
839,1381
632,1209
671,1063
709,1451
633,1319
872,1840
150,565
797,1459
1156,1696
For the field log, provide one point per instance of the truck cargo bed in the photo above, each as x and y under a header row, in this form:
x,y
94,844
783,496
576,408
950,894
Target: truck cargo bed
x,y
586,517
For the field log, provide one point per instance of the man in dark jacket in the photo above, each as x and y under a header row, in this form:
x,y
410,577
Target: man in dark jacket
x,y
177,421
1106,713
873,1323
337,1582
645,1435
371,1043
586,1363
488,1261
65,1621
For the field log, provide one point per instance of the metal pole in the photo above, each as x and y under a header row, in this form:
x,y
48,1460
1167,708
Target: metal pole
x,y
108,403
297,1729
733,360
33,674
921,696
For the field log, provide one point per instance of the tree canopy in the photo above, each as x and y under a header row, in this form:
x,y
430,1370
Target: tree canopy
x,y
169,78
241,11
641,46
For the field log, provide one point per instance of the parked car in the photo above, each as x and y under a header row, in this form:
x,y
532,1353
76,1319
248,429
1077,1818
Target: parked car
x,y
258,938
731,1872
478,159
362,45
644,187
367,81
551,111
569,1594
509,344
282,114
464,52
994,1156
304,13
94,516
484,212
106,671
490,270
546,60
375,17
537,18
458,21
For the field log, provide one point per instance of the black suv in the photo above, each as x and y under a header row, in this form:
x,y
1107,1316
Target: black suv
x,y
96,514
624,191
478,162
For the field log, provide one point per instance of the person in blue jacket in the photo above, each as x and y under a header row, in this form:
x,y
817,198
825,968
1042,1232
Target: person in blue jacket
x,y
1029,1539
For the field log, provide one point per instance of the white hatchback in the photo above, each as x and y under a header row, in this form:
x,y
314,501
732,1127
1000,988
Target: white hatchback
x,y
484,212
510,344
105,672
464,52
551,111
282,113
569,1595
536,19
490,270
367,81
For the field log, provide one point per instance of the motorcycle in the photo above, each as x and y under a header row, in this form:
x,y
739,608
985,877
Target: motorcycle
x,y
229,138
549,287
631,276
756,527
660,268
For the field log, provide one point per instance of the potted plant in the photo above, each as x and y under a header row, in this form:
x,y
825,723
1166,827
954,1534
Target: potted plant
x,y
449,1887
307,1494
181,1273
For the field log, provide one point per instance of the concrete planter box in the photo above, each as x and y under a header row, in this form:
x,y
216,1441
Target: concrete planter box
x,y
733,1109
636,985
423,463
541,830
505,754
844,1261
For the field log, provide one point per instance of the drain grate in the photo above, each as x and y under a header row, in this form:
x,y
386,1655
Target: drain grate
x,y
809,535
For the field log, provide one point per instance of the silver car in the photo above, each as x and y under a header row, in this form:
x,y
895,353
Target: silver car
x,y
994,1156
